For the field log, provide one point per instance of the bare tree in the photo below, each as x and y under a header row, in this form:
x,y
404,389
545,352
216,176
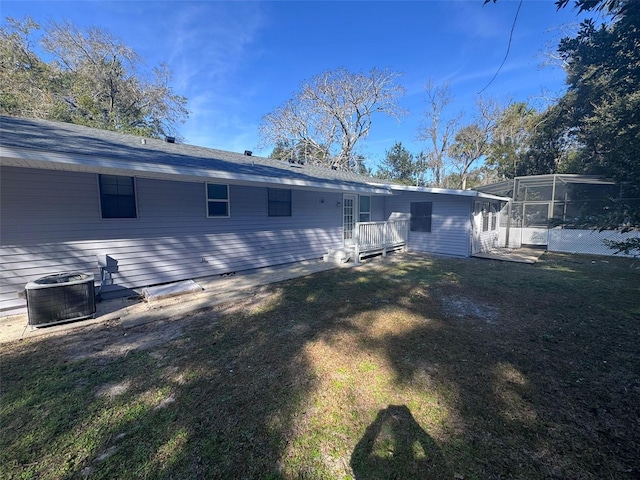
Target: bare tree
x,y
438,131
331,113
472,141
470,145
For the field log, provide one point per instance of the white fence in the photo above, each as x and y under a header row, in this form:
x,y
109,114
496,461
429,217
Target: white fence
x,y
375,237
585,241
565,240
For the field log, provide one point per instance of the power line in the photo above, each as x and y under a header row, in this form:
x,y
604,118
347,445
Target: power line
x,y
515,19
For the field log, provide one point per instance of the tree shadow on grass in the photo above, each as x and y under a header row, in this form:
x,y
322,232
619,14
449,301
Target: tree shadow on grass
x,y
209,395
234,392
394,446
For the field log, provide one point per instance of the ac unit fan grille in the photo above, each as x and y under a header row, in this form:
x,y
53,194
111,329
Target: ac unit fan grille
x,y
60,303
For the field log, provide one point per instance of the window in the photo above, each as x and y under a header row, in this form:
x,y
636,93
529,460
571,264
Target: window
x,y
485,216
365,209
421,216
485,222
494,216
279,202
490,212
117,196
217,200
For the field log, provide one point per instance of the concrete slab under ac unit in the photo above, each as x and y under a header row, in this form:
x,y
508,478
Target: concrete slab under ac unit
x,y
170,290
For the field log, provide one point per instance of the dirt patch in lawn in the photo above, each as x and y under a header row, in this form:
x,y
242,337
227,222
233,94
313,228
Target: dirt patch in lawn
x,y
462,307
110,341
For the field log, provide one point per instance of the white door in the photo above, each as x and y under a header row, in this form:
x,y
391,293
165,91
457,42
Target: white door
x,y
349,207
535,228
476,227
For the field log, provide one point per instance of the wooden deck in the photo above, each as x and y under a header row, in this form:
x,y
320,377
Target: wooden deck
x,y
380,237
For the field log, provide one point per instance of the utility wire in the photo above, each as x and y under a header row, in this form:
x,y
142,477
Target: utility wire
x,y
515,19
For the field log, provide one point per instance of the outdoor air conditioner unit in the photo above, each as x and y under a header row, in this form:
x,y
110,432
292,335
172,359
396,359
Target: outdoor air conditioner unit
x,y
63,297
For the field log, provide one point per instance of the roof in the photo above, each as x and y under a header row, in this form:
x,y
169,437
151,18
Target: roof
x,y
36,143
447,191
507,187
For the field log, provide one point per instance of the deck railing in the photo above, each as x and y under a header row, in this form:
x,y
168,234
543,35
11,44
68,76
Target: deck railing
x,y
374,237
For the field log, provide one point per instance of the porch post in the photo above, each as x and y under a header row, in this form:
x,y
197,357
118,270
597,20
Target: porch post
x,y
405,231
356,243
508,224
385,238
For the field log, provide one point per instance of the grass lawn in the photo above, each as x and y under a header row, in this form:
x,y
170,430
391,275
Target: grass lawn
x,y
411,368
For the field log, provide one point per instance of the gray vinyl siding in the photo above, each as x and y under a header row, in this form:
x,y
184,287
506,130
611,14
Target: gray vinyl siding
x,y
450,228
378,209
51,222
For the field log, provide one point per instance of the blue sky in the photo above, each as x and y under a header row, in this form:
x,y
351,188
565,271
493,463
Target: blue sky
x,y
236,61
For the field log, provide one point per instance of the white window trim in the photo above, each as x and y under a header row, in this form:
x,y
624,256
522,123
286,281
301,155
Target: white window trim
x,y
360,211
207,200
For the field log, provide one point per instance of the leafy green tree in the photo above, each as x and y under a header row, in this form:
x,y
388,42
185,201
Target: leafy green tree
x,y
585,5
474,178
603,74
360,166
29,86
551,148
603,105
470,145
298,152
94,80
588,5
510,139
399,165
596,124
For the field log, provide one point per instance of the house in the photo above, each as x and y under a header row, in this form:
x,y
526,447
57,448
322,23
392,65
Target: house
x,y
137,212
543,211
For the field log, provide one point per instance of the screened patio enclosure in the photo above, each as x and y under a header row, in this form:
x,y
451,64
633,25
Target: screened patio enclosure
x,y
543,208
